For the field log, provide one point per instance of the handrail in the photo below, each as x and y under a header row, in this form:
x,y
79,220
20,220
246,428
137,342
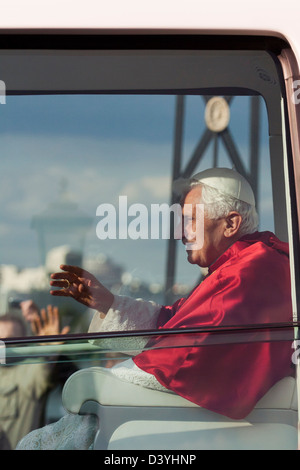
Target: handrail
x,y
152,332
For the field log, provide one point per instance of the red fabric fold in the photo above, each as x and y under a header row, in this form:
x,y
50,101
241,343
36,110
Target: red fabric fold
x,y
248,284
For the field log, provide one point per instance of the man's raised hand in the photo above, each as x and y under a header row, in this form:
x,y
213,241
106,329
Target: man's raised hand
x,y
78,283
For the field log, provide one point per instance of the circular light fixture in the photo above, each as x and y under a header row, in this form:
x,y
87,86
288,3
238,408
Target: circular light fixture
x,y
217,114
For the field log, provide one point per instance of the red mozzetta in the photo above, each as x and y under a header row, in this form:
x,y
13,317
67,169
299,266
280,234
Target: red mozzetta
x,y
248,285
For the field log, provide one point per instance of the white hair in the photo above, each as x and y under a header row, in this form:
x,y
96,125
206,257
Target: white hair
x,y
218,205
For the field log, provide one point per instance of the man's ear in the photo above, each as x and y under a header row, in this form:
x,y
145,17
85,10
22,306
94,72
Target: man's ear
x,y
233,223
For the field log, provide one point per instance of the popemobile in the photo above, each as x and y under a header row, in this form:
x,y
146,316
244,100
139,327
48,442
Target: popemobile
x,y
123,331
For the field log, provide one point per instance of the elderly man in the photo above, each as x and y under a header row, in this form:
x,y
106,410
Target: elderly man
x,y
248,283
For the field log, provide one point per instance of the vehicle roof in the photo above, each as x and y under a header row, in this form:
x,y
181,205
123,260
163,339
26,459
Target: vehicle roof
x,y
261,17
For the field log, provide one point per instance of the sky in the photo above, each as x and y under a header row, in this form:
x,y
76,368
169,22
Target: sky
x,y
98,147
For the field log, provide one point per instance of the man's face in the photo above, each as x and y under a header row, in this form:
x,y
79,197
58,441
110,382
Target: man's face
x,y
214,242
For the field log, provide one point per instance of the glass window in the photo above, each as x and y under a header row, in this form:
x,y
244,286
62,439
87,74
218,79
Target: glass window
x,y
91,141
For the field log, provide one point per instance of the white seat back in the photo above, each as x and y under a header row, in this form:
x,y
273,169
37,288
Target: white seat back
x,y
132,416
99,384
